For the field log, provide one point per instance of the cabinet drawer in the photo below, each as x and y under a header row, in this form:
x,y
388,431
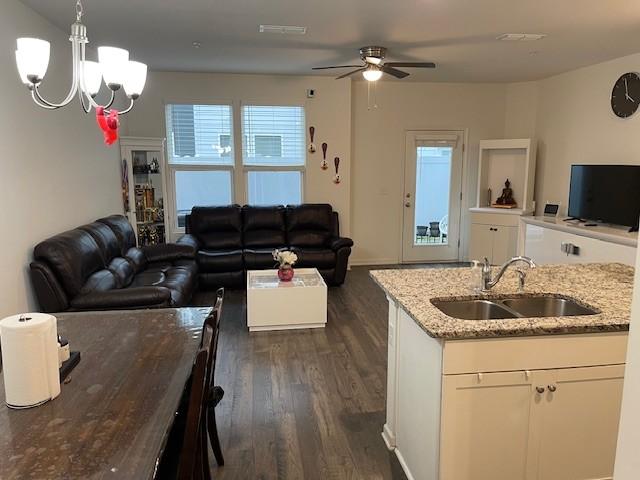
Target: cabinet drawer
x,y
534,353
495,219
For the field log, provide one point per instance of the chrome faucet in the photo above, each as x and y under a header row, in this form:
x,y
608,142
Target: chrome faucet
x,y
488,283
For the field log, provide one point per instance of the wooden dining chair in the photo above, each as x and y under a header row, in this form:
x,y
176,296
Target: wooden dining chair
x,y
215,392
193,460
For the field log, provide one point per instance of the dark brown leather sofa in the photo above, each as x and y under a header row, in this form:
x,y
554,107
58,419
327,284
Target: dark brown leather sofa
x,y
98,267
232,239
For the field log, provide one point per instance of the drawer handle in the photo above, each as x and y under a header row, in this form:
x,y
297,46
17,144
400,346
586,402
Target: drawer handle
x,y
540,390
552,388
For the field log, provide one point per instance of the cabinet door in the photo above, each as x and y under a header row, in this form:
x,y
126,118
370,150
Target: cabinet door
x,y
580,423
505,242
481,245
485,431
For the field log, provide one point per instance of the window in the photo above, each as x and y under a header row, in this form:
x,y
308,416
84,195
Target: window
x,y
273,154
200,156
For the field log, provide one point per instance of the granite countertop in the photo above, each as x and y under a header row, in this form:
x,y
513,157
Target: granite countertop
x,y
607,287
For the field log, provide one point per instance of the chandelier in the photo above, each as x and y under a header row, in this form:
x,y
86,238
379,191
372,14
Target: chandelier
x,y
114,66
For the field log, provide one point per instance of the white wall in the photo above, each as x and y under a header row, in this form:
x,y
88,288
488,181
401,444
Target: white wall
x,y
56,173
379,152
574,124
329,112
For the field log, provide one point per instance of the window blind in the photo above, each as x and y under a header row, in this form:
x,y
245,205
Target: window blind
x,y
273,136
199,134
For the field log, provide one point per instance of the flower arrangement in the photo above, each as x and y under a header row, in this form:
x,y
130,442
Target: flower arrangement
x,y
284,258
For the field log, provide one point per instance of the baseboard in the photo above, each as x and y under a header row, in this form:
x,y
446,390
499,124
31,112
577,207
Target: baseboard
x,y
388,437
404,466
365,262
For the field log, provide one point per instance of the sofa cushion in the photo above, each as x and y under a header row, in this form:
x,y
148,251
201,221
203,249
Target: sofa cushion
x,y
217,228
220,260
263,226
105,238
73,256
315,257
123,231
259,259
309,225
122,270
136,257
100,281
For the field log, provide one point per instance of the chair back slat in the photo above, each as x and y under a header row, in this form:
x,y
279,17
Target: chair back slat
x,y
189,467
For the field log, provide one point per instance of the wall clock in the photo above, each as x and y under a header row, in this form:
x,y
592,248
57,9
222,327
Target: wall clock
x,y
625,95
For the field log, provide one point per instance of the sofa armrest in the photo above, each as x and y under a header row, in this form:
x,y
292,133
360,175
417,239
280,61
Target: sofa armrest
x,y
168,251
123,298
189,240
336,243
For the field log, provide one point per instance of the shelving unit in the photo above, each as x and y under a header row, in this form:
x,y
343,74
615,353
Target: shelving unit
x,y
494,231
513,159
144,187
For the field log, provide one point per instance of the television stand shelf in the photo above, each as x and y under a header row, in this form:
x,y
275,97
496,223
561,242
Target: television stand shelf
x,y
545,239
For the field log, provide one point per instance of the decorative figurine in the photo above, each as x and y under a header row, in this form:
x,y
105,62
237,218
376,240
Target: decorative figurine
x,y
312,147
336,163
324,165
506,199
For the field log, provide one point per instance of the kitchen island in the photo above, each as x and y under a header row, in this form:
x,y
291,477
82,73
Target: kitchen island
x,y
513,398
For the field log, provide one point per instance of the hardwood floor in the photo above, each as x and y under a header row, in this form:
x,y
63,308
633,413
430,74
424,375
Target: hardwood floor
x,y
307,404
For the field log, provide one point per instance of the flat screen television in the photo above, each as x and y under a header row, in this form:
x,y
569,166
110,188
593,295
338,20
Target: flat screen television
x,y
605,193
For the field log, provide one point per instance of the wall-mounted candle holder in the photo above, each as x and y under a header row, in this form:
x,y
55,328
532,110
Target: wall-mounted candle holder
x,y
312,147
324,165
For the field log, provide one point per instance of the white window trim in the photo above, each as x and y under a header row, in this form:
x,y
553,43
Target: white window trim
x,y
240,181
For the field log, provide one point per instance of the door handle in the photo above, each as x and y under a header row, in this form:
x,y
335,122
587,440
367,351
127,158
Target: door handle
x,y
540,390
407,204
552,388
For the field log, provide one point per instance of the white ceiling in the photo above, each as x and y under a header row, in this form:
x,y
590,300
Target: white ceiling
x,y
458,35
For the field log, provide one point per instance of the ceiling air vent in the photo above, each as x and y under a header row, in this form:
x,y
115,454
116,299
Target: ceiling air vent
x,y
283,29
520,37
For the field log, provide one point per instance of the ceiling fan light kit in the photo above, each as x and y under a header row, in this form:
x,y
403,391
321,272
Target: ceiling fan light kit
x,y
113,66
373,68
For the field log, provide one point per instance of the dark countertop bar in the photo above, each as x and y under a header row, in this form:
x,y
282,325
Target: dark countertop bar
x,y
112,419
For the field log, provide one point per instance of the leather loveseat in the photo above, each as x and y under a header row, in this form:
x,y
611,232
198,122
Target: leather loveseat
x,y
232,239
98,267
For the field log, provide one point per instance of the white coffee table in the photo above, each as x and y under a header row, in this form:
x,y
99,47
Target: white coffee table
x,y
276,305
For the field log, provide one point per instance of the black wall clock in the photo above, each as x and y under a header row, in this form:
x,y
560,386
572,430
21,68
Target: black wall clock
x,y
625,96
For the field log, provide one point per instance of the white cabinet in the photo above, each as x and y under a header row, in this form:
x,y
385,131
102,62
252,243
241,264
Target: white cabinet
x,y
542,424
578,423
545,246
525,408
486,426
494,236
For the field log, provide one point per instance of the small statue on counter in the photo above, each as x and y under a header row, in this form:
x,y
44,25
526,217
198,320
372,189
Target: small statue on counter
x,y
507,195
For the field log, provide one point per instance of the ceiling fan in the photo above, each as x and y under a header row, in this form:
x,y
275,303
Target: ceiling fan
x,y
373,67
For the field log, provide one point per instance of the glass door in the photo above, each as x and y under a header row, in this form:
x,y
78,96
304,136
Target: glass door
x,y
433,186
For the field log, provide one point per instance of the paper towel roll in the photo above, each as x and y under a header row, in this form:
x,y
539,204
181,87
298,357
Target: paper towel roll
x,y
29,359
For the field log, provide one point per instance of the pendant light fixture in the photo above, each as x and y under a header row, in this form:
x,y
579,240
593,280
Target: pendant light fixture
x,y
113,66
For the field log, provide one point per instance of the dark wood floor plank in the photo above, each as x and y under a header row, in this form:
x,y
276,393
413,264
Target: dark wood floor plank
x,y
307,404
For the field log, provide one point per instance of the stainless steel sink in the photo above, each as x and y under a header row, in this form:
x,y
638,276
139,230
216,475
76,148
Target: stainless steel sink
x,y
512,307
473,309
546,307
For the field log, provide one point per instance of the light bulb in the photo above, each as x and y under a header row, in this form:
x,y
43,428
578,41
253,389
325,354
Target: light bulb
x,y
372,74
92,77
32,59
114,65
135,79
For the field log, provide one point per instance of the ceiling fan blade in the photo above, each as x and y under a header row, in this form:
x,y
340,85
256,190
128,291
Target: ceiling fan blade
x,y
411,64
336,66
351,73
393,72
